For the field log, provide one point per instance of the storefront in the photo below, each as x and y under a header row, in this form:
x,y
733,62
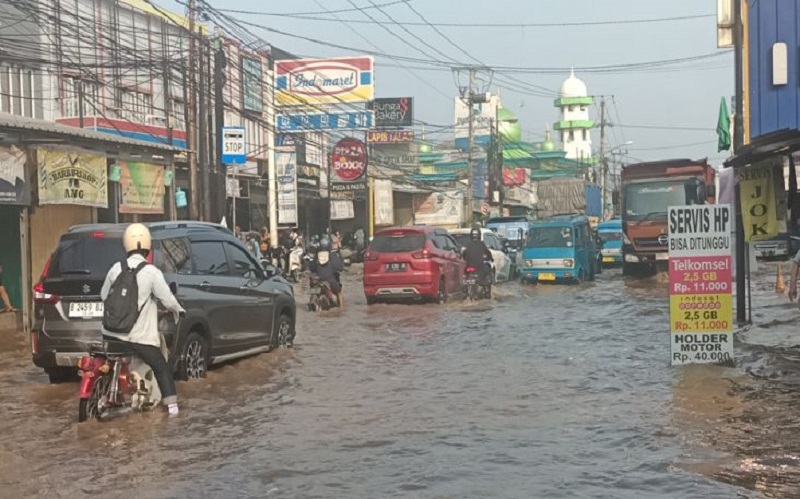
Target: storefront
x,y
53,177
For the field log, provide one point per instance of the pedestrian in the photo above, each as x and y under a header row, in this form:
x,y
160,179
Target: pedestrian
x,y
793,272
144,338
336,241
359,236
237,231
7,308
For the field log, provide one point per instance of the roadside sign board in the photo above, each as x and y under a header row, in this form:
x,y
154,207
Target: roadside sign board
x,y
234,145
357,120
700,281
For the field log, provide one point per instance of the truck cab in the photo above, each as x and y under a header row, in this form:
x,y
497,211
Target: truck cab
x,y
648,190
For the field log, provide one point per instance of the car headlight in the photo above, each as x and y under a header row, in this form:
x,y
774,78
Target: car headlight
x,y
632,258
568,262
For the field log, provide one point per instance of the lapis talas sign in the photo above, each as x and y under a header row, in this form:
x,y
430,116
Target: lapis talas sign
x,y
324,81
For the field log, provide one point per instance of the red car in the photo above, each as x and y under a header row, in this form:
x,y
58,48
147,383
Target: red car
x,y
418,263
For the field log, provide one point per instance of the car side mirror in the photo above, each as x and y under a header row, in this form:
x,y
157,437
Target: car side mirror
x,y
173,287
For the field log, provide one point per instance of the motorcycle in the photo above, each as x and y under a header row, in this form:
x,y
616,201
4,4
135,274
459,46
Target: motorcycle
x,y
474,288
320,295
115,382
296,263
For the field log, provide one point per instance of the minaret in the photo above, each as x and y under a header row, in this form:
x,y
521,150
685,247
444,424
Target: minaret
x,y
575,126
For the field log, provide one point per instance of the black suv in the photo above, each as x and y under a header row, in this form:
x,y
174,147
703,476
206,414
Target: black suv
x,y
234,307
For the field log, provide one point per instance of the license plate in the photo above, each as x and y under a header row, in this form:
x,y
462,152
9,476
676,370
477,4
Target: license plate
x,y
470,282
547,277
608,259
86,309
662,256
395,267
314,291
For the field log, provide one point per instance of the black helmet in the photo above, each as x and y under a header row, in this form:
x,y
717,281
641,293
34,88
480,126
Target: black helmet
x,y
325,244
475,234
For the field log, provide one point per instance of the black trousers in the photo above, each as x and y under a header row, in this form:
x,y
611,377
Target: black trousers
x,y
153,357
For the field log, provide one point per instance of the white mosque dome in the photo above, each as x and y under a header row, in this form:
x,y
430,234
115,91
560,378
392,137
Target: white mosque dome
x,y
573,87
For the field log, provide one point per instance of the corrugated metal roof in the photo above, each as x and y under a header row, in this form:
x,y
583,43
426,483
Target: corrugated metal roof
x,y
21,123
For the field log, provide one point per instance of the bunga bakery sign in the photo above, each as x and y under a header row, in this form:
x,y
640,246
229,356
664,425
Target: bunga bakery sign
x,y
324,81
349,165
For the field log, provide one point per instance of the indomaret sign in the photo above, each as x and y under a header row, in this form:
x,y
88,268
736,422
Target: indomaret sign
x,y
700,280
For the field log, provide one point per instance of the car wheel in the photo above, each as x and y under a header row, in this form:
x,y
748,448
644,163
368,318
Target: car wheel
x,y
283,333
441,298
60,374
194,358
371,300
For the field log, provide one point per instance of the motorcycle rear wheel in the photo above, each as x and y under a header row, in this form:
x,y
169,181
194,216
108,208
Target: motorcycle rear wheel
x,y
87,408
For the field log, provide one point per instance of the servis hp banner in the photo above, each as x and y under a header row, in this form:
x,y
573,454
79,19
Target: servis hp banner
x,y
700,282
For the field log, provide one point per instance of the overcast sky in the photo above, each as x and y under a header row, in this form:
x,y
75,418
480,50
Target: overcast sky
x,y
685,95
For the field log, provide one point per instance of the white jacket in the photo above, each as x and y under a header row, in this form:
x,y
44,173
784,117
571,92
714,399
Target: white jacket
x,y
152,286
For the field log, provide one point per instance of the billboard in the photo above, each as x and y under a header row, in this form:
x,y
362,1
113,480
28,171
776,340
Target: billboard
x,y
287,187
72,177
142,187
390,137
13,188
395,112
439,208
324,81
484,115
349,165
384,202
252,90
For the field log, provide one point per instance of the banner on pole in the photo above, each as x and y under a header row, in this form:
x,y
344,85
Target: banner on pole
x,y
142,187
700,280
287,187
759,212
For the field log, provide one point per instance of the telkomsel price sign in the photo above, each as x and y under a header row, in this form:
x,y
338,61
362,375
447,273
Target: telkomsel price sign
x,y
700,280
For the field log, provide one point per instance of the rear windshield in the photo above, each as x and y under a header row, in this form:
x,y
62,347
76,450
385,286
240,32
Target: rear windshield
x,y
402,243
462,239
610,236
86,256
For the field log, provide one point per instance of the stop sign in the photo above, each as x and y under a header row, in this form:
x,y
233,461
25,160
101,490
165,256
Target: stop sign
x,y
349,159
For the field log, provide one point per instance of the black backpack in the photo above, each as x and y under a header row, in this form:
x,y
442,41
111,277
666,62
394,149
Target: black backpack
x,y
121,307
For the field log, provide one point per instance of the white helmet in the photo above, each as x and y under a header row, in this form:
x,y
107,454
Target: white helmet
x,y
136,237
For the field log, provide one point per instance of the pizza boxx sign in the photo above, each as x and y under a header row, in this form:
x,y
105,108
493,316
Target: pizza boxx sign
x,y
349,159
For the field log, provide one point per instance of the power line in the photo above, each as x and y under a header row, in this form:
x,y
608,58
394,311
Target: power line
x,y
326,11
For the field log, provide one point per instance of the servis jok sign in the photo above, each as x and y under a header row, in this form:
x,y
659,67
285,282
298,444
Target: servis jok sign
x,y
349,165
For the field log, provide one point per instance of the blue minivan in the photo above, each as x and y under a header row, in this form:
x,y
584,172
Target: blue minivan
x,y
560,249
610,234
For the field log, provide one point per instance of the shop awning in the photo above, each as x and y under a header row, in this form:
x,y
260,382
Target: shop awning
x,y
12,123
780,143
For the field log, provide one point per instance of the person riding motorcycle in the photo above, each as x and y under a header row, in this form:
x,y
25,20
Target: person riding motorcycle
x,y
328,265
144,338
477,254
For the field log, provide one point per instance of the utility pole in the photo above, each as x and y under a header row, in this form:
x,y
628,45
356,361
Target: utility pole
x,y
220,190
191,124
205,204
738,143
603,159
470,141
272,189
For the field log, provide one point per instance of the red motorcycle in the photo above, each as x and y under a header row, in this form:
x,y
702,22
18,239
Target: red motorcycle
x,y
114,382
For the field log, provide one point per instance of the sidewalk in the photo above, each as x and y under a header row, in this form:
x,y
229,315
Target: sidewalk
x,y
11,322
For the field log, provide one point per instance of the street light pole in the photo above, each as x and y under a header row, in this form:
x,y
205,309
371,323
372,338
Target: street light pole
x,y
470,140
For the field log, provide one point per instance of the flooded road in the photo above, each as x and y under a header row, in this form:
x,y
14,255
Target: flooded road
x,y
547,391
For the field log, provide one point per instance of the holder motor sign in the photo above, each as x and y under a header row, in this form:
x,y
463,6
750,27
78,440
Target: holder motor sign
x,y
349,164
700,280
234,145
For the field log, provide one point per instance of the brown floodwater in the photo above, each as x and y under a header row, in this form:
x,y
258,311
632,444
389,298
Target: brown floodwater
x,y
546,391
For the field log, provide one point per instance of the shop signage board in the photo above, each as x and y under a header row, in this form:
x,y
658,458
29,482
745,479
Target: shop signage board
x,y
439,208
390,136
252,85
357,120
394,112
234,145
349,165
142,188
285,163
759,210
70,176
384,202
13,188
324,81
700,280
